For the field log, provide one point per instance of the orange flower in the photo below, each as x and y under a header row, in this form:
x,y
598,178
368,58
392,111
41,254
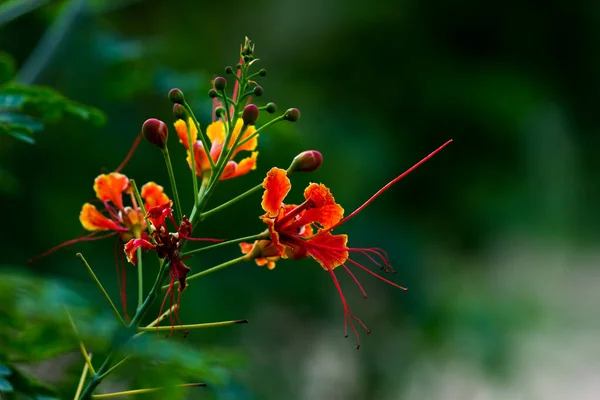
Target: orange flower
x,y
127,221
298,231
216,134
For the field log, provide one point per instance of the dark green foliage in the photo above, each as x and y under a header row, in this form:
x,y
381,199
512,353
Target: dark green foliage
x,y
24,110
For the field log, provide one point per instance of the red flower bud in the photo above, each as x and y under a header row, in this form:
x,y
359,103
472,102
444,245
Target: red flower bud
x,y
250,114
156,132
180,112
292,115
307,161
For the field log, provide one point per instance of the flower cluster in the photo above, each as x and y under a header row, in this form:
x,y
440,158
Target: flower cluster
x,y
155,223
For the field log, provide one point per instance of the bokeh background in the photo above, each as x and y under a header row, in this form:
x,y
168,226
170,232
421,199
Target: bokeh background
x,y
495,237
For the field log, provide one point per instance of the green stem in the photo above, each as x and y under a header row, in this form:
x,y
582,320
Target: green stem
x,y
193,157
211,270
138,196
203,136
271,122
194,326
141,311
84,351
230,202
106,296
140,278
251,238
96,379
165,152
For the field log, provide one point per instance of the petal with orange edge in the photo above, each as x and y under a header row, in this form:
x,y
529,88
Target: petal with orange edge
x,y
93,220
182,132
277,185
319,194
153,195
250,144
233,169
328,250
132,246
110,187
201,159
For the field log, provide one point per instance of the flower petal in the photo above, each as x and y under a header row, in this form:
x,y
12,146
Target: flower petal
x,y
216,132
233,169
277,185
158,214
182,132
250,144
93,220
132,246
328,250
326,211
153,195
110,187
201,159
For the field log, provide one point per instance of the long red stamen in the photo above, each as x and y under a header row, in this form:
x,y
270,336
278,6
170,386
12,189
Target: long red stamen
x,y
377,276
236,87
130,154
386,187
355,280
87,238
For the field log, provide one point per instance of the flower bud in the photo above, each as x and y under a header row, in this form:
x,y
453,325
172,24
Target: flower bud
x,y
179,112
250,114
212,93
220,83
176,96
220,111
228,70
156,132
307,161
238,66
292,115
258,91
271,108
262,72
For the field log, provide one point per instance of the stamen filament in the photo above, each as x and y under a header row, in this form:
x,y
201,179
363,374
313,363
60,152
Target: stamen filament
x,y
130,154
140,277
194,326
386,187
165,153
104,293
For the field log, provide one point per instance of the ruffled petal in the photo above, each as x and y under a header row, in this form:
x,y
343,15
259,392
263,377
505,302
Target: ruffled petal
x,y
328,250
153,195
158,214
93,220
110,187
132,246
182,132
233,169
277,185
326,211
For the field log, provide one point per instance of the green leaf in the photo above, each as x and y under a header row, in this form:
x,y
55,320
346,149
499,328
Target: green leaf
x,y
4,370
7,67
5,386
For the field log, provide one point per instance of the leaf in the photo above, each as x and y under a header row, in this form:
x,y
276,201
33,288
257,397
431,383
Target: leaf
x,y
7,67
5,386
4,370
26,109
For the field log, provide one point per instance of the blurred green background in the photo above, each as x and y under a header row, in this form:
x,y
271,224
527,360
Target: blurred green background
x,y
495,237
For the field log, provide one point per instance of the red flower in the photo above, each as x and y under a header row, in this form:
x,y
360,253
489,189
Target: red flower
x,y
298,231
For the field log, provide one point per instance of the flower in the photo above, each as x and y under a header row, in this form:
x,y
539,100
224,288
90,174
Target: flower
x,y
167,246
298,231
128,221
216,134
